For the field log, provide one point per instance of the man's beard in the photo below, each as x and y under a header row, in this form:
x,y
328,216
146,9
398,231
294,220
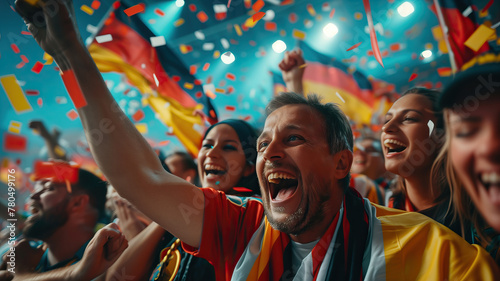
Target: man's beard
x,y
44,223
302,219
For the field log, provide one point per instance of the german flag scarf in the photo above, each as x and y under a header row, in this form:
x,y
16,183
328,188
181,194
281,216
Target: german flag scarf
x,y
340,261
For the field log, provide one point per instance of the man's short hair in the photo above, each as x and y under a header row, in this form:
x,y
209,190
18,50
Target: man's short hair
x,y
338,130
94,187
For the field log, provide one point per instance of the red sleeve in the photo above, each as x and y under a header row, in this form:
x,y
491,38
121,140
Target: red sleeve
x,y
228,225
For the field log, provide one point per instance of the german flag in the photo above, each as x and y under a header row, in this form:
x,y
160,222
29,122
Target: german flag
x,y
157,73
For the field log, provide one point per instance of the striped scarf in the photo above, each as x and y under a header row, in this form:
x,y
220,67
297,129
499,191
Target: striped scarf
x,y
274,262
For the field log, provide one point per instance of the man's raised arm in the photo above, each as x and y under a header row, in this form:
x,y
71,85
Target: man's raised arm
x,y
120,151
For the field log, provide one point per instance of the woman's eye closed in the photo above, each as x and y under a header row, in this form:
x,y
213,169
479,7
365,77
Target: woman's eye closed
x,y
229,147
207,145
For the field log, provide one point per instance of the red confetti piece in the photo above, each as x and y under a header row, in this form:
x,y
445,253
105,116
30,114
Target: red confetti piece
x,y
14,143
20,65
198,82
247,118
73,88
230,108
176,78
444,71
139,8
24,58
230,76
95,4
412,77
248,3
138,115
258,5
72,114
57,171
270,26
252,43
192,69
39,101
292,17
287,2
198,95
192,7
228,3
32,92
413,56
159,12
258,16
395,47
385,53
25,32
354,47
163,143
37,67
439,85
212,113
230,89
202,16
487,6
206,66
373,35
332,13
116,5
14,48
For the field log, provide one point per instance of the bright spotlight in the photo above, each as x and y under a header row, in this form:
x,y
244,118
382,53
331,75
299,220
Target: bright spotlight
x,y
227,58
279,46
330,30
405,9
179,3
426,54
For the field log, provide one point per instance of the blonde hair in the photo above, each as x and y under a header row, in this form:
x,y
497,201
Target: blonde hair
x,y
464,209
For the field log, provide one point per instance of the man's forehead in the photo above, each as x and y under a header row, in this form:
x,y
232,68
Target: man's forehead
x,y
297,114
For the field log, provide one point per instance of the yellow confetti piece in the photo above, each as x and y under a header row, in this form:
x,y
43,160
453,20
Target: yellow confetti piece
x,y
216,54
297,34
311,10
15,94
59,151
479,37
428,46
87,9
48,59
483,14
178,22
142,128
358,16
250,22
188,86
184,49
219,90
238,30
442,46
68,186
437,32
15,127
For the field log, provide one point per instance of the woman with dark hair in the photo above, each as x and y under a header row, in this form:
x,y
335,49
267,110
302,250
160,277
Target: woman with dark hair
x,y
226,162
412,137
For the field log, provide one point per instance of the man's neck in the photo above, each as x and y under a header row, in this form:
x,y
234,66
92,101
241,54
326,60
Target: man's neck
x,y
65,243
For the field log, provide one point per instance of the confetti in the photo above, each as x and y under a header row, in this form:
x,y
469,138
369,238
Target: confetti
x,y
220,91
202,16
258,16
430,124
185,48
479,37
188,86
292,17
228,3
72,114
332,13
14,143
179,22
37,67
216,54
159,12
158,41
354,47
287,2
238,30
139,8
230,76
270,26
412,77
25,32
32,2
199,35
340,97
220,11
15,127
87,10
258,5
358,16
73,88
39,102
224,43
95,4
48,59
395,47
297,34
373,35
206,66
192,7
138,115
32,92
104,38
25,59
444,71
164,143
208,46
59,151
467,11
230,108
192,69
15,94
487,6
14,48
311,10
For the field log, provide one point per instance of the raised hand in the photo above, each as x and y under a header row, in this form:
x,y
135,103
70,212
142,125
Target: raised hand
x,y
53,25
292,69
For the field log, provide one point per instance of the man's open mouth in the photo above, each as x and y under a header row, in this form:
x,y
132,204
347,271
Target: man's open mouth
x,y
281,185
